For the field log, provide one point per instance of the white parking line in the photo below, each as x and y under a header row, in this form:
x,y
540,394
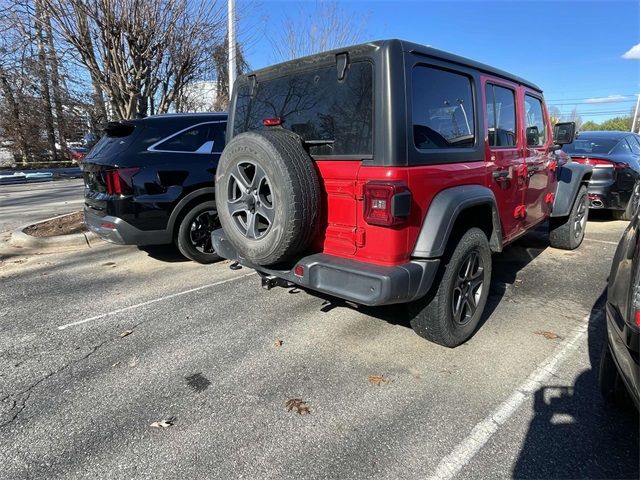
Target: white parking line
x,y
462,454
149,302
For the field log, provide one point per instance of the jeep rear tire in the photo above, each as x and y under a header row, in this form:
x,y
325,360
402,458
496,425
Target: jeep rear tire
x,y
567,232
451,315
268,195
632,205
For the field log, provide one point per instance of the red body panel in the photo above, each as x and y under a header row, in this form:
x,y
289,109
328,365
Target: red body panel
x,y
345,232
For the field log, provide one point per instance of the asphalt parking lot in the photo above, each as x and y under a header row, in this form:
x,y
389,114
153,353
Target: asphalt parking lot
x,y
97,344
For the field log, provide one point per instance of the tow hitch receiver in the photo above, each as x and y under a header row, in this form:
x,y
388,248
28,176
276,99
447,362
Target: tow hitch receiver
x,y
270,281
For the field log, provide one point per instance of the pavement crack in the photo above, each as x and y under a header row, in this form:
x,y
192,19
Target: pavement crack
x,y
19,400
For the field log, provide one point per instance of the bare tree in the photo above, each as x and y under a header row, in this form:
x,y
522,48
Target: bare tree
x,y
317,29
142,54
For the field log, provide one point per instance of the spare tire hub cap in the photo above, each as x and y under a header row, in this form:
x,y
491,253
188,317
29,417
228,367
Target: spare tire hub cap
x,y
250,200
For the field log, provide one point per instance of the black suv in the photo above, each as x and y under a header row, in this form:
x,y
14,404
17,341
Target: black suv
x,y
151,182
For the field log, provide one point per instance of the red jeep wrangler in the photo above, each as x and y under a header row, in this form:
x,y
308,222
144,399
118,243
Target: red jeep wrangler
x,y
388,173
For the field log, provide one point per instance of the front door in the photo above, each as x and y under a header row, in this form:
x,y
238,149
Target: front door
x,y
540,178
504,150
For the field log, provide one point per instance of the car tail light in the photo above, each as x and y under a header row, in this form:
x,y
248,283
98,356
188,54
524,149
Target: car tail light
x,y
636,318
120,181
298,271
386,203
596,162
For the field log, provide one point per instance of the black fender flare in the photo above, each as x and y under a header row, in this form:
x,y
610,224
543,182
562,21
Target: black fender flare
x,y
207,194
443,212
570,177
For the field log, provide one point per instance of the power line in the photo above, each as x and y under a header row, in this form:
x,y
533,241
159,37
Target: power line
x,y
588,98
590,103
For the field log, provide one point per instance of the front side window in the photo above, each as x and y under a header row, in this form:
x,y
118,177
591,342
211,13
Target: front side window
x,y
443,115
501,113
536,131
203,138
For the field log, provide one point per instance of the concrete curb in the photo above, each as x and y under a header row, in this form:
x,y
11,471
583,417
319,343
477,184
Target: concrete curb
x,y
23,240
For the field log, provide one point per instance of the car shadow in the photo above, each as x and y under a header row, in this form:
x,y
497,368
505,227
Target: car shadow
x,y
574,434
164,253
600,215
506,266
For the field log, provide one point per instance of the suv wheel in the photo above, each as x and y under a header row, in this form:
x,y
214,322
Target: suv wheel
x,y
452,315
194,233
567,232
268,195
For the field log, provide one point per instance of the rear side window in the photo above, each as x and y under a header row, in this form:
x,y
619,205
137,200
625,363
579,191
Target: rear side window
x,y
536,131
202,138
501,112
635,146
443,115
622,147
334,117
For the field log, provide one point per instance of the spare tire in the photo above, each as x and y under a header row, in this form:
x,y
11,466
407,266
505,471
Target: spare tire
x,y
267,195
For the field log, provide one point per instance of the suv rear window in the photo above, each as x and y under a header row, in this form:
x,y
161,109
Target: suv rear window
x,y
442,109
316,106
118,136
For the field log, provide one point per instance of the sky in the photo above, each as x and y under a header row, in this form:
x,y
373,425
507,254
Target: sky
x,y
574,50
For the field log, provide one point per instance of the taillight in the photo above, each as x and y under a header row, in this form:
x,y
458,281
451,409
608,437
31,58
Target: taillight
x,y
386,203
120,182
596,162
636,318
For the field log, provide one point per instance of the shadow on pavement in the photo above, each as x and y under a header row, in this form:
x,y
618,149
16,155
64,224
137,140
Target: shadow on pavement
x,y
164,253
574,434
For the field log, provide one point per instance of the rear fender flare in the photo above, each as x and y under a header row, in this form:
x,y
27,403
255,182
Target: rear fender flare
x,y
443,212
570,177
205,194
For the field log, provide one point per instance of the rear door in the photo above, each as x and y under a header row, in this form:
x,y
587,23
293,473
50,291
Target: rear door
x,y
540,179
504,151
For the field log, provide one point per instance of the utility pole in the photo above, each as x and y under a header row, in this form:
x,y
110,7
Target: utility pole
x,y
635,114
231,18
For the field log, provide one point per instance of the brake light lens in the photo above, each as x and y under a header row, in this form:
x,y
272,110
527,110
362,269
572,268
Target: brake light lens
x,y
272,122
596,162
120,181
386,203
636,318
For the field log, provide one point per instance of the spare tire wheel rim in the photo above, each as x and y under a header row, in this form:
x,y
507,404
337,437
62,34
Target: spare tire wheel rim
x,y
250,200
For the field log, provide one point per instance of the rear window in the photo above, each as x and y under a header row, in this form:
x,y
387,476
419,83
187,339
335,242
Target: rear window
x,y
334,117
201,138
118,136
583,145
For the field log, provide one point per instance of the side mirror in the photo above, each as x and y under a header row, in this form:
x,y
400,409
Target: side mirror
x,y
564,133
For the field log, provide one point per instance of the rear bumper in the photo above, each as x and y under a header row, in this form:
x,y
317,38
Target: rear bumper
x,y
607,196
116,230
351,280
625,353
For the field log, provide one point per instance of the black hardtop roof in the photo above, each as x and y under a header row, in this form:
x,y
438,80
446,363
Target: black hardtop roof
x,y
391,46
610,134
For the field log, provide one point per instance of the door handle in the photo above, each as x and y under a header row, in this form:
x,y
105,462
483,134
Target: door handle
x,y
500,175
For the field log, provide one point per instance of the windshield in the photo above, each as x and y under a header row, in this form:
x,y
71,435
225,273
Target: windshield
x,y
335,117
583,145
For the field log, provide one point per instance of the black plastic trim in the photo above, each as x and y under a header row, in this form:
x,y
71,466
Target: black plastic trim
x,y
570,177
351,280
443,213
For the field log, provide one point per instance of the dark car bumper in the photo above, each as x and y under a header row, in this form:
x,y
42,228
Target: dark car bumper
x,y
624,348
608,197
116,230
348,279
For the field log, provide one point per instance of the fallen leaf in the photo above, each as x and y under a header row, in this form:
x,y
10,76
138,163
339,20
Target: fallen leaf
x,y
298,405
126,333
278,343
163,423
379,380
108,264
116,364
546,334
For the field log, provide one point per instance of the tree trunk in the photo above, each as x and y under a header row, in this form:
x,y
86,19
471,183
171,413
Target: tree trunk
x,y
43,75
55,83
9,96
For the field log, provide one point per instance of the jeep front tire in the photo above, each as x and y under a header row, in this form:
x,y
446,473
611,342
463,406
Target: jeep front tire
x,y
567,232
451,314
